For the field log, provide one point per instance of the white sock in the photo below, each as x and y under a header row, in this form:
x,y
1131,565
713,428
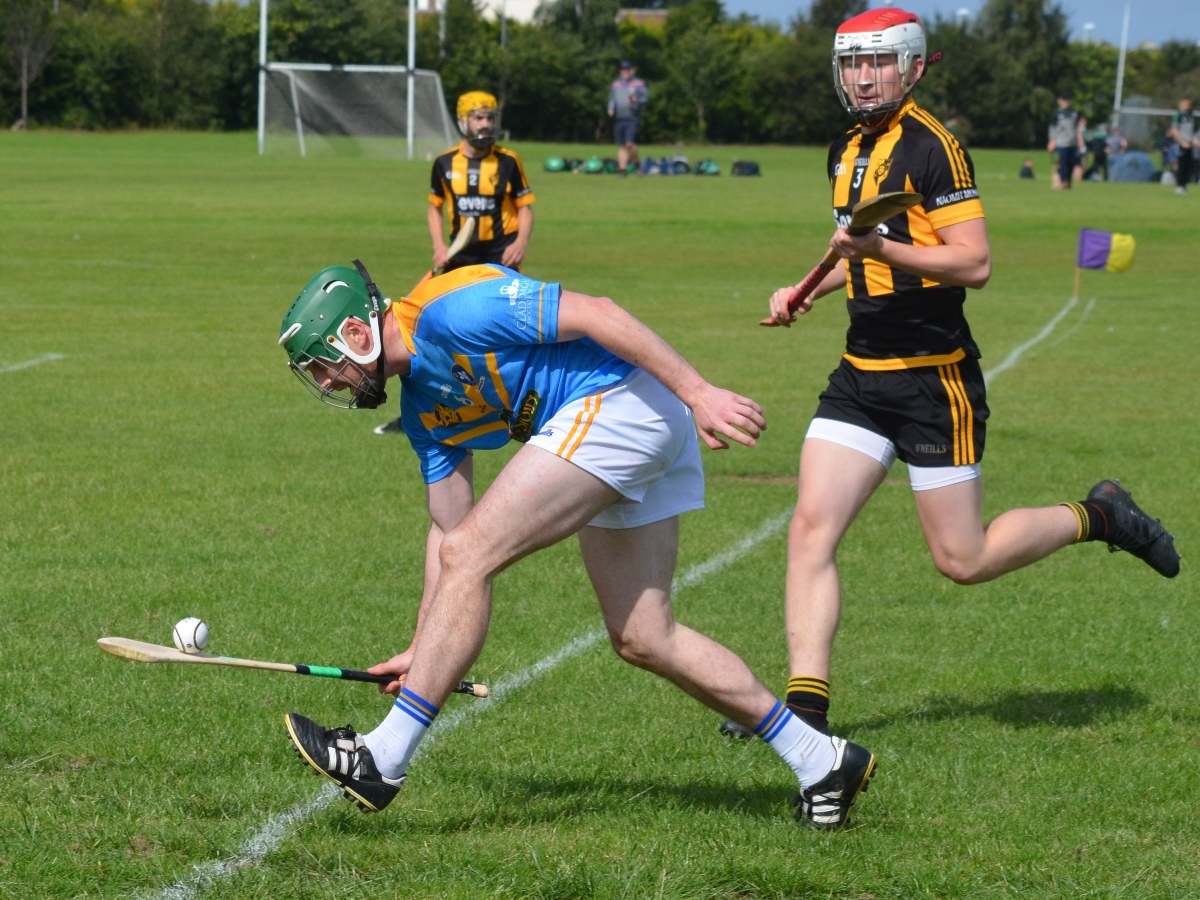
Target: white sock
x,y
806,750
392,744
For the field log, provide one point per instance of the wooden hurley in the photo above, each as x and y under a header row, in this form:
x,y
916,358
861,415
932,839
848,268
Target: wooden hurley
x,y
142,651
865,216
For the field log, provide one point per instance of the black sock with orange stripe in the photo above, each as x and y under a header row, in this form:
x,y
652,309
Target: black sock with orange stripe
x,y
808,698
1093,518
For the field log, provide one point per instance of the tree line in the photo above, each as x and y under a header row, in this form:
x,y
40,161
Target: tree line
x,y
101,64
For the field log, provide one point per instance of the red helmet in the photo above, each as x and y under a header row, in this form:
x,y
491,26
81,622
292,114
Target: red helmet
x,y
877,32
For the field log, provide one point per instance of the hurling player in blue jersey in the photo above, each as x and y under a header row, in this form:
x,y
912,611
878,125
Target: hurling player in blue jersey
x,y
608,413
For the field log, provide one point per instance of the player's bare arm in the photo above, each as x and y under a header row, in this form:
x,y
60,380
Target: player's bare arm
x,y
964,259
514,253
835,280
433,217
716,411
448,502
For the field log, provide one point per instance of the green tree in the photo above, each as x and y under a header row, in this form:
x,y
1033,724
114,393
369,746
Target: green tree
x,y
29,36
829,14
1025,43
701,62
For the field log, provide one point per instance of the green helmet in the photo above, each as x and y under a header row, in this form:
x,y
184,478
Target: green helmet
x,y
312,332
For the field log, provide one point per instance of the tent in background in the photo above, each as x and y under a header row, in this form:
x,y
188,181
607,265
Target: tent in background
x,y
1132,166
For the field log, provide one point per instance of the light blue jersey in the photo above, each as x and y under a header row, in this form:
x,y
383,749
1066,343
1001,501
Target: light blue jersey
x,y
487,365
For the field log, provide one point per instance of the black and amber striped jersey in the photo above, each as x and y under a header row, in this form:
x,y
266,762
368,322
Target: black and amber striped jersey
x,y
488,189
899,320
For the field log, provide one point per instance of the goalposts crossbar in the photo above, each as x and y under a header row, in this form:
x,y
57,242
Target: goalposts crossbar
x,y
371,87
348,67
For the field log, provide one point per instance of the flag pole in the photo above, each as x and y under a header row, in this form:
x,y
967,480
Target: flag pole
x,y
1078,271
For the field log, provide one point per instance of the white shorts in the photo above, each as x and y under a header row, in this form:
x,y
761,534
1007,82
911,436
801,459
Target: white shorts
x,y
883,451
638,438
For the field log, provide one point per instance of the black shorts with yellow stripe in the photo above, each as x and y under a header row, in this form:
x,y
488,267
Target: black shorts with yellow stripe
x,y
934,412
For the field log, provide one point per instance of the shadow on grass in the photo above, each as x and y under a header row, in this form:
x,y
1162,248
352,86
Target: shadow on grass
x,y
1019,709
490,802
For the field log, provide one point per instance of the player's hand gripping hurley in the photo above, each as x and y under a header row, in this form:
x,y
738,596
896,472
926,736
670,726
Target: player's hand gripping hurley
x,y
466,231
866,216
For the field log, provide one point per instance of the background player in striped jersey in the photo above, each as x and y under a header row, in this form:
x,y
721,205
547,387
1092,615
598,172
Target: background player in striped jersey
x,y
910,385
484,181
479,180
605,409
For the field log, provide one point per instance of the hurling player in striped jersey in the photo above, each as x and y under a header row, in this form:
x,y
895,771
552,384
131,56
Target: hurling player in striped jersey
x,y
909,385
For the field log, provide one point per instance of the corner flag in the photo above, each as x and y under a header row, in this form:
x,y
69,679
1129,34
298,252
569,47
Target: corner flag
x,y
1103,250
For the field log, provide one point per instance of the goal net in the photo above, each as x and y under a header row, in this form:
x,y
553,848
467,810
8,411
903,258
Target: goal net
x,y
356,110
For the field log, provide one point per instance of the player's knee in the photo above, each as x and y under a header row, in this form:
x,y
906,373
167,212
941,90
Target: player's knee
x,y
458,553
809,535
636,648
959,569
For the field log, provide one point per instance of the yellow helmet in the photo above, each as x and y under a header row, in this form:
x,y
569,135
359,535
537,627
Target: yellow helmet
x,y
473,100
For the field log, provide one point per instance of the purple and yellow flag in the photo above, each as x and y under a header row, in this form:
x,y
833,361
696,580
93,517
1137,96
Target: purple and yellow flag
x,y
1105,250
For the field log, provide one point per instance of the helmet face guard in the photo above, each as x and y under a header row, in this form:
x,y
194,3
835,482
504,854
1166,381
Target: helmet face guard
x,y
879,37
361,391
313,335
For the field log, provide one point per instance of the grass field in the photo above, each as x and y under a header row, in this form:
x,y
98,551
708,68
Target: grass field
x,y
1037,736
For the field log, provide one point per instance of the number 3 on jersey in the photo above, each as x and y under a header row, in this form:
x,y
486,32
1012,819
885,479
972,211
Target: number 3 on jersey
x,y
858,174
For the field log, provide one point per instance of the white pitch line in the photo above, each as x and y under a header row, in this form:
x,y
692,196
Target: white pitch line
x,y
1015,356
273,833
45,357
1076,325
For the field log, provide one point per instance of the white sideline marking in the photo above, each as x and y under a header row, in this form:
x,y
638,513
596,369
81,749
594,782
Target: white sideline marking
x,y
45,357
1015,356
273,833
253,850
1066,335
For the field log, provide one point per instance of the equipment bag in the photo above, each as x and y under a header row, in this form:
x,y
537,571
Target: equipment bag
x,y
745,167
555,164
708,167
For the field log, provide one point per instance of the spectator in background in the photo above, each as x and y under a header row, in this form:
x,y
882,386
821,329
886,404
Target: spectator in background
x,y
1183,133
1066,139
1098,145
1116,143
1169,150
1027,169
626,99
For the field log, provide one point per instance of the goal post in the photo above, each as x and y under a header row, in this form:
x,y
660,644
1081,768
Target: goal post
x,y
360,110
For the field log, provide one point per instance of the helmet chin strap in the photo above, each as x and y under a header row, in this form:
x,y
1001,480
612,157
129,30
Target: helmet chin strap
x,y
371,394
